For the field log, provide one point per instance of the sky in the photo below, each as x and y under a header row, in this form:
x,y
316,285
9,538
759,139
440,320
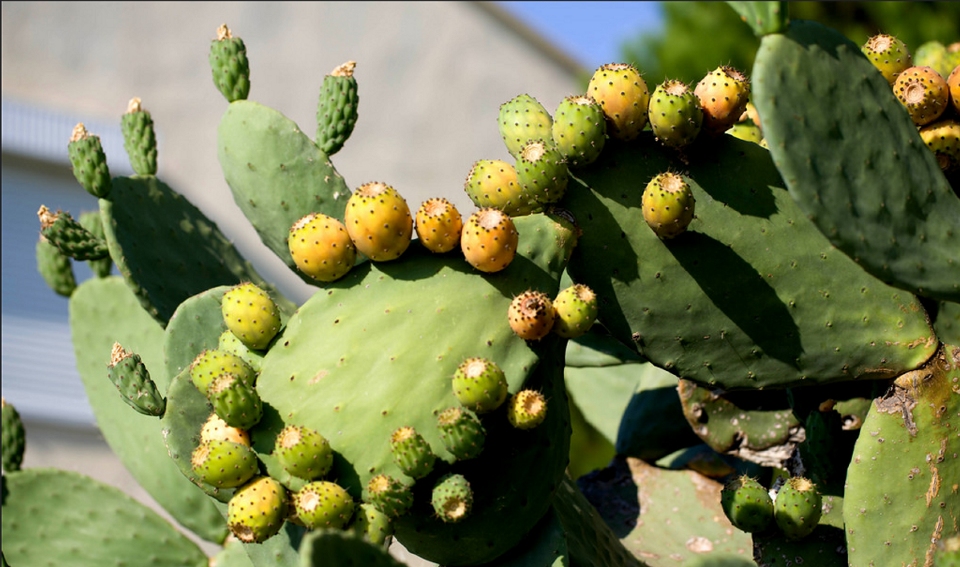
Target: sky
x,y
590,32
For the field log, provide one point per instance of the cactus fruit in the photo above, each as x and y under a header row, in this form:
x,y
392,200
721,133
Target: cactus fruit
x,y
522,119
89,162
953,84
251,315
215,429
235,401
321,247
943,139
889,55
14,438
55,268
257,510
130,376
452,498
371,524
493,184
579,130
527,409
461,432
69,236
923,92
323,504
668,205
378,221
389,495
303,452
948,552
675,114
723,96
489,240
797,508
439,225
938,56
224,464
93,222
139,139
542,172
531,315
411,452
480,385
337,109
576,309
228,342
211,363
623,96
228,61
747,504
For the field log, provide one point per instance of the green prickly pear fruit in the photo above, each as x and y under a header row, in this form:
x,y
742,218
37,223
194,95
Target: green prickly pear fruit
x,y
494,184
461,432
89,162
215,429
888,54
576,308
337,110
235,401
389,495
224,464
938,56
531,315
321,247
303,452
452,498
522,119
130,376
480,385
579,130
378,221
943,139
623,95
139,139
55,268
542,172
797,508
257,511
411,452
668,205
675,114
92,221
69,236
953,84
747,504
228,342
228,61
323,504
14,437
923,92
439,225
251,315
526,409
212,363
489,240
372,525
723,96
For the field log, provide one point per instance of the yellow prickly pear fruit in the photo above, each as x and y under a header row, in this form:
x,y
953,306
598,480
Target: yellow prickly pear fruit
x,y
623,95
251,315
215,429
668,205
493,183
923,92
527,409
321,247
439,225
378,221
489,240
576,308
943,139
723,96
257,510
888,54
953,83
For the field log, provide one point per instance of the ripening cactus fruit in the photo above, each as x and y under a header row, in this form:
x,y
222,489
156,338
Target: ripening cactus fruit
x,y
378,221
953,84
224,464
303,452
257,510
461,432
797,508
128,373
531,315
389,495
923,92
668,205
14,437
493,184
943,139
452,498
439,225
675,114
321,247
723,96
526,409
235,401
371,524
251,315
522,119
576,309
411,452
542,172
747,504
623,96
888,54
337,109
89,162
211,363
228,61
579,130
55,268
215,429
480,385
61,230
323,504
228,342
139,139
489,240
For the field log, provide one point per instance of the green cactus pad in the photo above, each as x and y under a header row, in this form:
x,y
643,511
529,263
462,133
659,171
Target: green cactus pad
x,y
824,547
752,294
89,162
14,438
344,549
544,546
53,517
91,221
763,17
857,166
55,268
277,174
337,108
139,139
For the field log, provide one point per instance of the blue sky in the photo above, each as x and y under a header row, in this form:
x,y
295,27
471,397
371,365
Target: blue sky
x,y
590,32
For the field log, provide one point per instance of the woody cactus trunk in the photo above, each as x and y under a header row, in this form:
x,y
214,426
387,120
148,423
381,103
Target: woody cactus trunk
x,y
735,317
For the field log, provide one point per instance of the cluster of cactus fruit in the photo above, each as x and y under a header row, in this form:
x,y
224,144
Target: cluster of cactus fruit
x,y
737,309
